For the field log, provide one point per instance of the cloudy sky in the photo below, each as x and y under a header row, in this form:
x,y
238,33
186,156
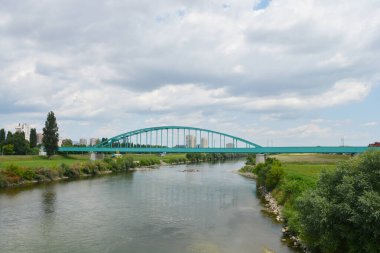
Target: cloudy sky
x,y
280,72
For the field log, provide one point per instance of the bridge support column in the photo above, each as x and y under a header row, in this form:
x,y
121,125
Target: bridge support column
x,y
260,158
96,156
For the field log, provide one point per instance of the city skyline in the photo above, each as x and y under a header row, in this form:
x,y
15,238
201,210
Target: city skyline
x,y
285,73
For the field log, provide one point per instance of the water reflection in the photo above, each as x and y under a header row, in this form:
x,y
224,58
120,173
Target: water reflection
x,y
48,200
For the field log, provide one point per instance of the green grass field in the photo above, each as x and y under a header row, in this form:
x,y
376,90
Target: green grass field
x,y
309,166
34,161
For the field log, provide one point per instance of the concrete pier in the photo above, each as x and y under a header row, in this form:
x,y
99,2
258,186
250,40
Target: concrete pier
x,y
260,158
96,156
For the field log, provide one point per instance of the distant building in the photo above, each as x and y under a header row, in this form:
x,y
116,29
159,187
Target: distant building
x,y
23,128
94,141
375,144
39,138
60,143
83,141
230,145
204,142
191,141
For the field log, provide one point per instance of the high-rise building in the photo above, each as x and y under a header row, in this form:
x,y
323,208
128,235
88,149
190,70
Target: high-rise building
x,y
230,145
23,128
94,141
191,141
204,142
60,142
83,141
39,138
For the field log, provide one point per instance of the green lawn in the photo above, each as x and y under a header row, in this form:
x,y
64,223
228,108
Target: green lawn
x,y
34,161
311,158
309,166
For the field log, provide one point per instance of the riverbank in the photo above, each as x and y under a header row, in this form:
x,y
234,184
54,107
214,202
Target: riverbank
x,y
27,170
282,179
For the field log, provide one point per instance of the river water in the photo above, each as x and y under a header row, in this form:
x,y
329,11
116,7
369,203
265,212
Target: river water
x,y
164,210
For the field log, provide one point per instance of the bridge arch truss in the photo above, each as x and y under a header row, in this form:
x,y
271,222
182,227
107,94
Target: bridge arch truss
x,y
176,137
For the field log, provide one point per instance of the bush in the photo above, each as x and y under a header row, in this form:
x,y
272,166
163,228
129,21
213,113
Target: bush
x,y
248,168
273,177
342,214
29,174
251,159
3,180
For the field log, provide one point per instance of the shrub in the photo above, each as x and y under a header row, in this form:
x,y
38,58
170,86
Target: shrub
x,y
342,214
273,177
3,180
29,174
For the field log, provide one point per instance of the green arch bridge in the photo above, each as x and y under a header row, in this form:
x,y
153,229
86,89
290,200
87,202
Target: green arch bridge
x,y
182,139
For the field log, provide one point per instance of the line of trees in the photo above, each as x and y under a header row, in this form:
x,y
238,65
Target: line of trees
x,y
15,143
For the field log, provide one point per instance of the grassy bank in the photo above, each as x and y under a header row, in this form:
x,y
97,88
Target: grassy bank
x,y
19,170
287,177
332,203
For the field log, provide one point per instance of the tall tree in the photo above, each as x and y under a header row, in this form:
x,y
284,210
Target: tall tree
x,y
2,137
33,138
9,137
50,132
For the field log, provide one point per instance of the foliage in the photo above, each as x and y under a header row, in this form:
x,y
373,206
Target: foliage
x,y
2,137
33,138
21,146
50,135
149,161
342,214
248,168
270,173
210,157
67,143
251,159
8,149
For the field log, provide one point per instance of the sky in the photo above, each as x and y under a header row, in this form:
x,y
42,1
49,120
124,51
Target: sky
x,y
277,73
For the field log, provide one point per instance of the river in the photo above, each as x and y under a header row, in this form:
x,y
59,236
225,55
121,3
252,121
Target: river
x,y
164,210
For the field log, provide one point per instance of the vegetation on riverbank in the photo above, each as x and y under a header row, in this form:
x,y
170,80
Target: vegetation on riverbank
x,y
17,175
19,170
332,208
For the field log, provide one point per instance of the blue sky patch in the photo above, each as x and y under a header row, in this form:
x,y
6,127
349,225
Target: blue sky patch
x,y
263,4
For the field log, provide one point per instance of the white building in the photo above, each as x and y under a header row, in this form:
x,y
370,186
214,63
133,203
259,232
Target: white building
x,y
39,138
204,142
83,141
191,141
24,128
94,141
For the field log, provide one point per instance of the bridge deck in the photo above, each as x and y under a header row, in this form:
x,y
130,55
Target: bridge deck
x,y
257,150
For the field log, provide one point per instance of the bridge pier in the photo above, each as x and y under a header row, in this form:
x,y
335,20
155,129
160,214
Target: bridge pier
x,y
96,156
260,158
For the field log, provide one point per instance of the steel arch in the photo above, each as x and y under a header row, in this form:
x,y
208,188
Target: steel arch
x,y
123,136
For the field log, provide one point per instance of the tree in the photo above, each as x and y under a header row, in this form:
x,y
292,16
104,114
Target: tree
x,y
2,137
342,214
21,146
50,132
9,137
67,142
33,138
8,149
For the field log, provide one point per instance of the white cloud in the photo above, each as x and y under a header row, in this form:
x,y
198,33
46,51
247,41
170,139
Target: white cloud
x,y
371,124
